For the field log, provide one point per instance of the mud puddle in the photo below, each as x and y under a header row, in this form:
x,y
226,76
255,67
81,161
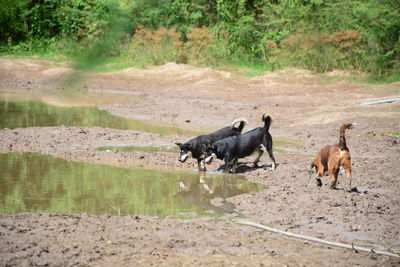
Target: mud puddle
x,y
21,114
38,183
70,97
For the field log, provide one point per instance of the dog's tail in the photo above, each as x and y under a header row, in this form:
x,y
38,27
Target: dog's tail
x,y
267,119
242,122
342,137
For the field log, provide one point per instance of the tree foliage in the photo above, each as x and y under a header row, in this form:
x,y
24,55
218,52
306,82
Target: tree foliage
x,y
305,33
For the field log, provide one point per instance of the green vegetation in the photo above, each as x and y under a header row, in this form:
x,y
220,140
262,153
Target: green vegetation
x,y
286,142
319,35
390,134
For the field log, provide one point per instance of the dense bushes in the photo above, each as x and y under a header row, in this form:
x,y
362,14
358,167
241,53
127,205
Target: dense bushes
x,y
314,34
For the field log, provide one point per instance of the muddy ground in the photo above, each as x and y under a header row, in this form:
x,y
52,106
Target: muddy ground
x,y
308,110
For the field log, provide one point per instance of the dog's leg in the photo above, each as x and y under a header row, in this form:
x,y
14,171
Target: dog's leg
x,y
201,165
227,165
333,169
333,179
230,164
267,142
315,164
260,151
271,156
234,165
320,172
347,167
319,183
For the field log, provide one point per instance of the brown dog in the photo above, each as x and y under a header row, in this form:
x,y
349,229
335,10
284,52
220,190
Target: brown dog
x,y
331,157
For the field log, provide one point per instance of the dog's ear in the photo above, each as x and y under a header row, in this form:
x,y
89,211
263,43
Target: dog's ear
x,y
178,144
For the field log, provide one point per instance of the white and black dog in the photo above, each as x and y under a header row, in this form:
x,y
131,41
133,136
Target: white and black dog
x,y
197,146
232,148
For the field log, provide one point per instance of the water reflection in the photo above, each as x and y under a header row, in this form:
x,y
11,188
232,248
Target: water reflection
x,y
39,183
201,193
16,114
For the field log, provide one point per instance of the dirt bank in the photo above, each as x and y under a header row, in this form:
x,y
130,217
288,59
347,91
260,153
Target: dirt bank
x,y
307,111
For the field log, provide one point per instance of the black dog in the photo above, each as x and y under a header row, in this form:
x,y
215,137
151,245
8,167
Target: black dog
x,y
197,145
232,148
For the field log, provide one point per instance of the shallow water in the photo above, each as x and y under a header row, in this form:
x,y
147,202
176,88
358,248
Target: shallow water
x,y
38,183
148,149
20,114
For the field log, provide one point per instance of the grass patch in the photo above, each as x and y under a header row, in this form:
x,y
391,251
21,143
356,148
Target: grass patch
x,y
286,152
112,67
51,58
286,142
280,151
105,65
280,143
248,71
385,79
389,134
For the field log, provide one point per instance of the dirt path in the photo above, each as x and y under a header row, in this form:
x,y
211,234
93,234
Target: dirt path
x,y
307,111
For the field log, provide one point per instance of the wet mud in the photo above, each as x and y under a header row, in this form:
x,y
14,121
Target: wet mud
x,y
307,110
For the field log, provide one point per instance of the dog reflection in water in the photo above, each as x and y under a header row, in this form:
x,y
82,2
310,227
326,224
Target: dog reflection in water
x,y
202,191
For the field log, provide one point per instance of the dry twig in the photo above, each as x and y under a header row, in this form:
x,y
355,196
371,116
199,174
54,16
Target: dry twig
x,y
313,239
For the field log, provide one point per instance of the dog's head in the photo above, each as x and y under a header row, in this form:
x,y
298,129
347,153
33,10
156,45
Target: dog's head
x,y
209,153
184,151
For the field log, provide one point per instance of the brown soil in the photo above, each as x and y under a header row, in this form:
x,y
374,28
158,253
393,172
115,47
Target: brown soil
x,y
307,110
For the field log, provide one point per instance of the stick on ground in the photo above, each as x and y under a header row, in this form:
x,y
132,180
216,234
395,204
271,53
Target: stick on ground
x,y
313,239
